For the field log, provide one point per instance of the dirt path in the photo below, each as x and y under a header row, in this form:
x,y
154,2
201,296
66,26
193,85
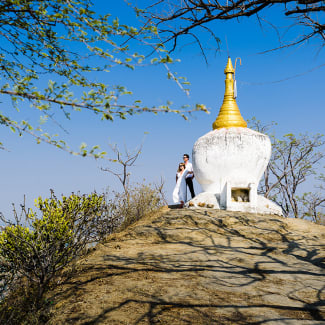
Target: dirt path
x,y
201,267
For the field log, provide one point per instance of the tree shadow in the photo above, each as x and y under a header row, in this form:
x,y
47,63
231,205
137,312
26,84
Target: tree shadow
x,y
241,262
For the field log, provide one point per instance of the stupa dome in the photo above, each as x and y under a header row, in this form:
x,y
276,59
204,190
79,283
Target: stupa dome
x,y
237,155
229,161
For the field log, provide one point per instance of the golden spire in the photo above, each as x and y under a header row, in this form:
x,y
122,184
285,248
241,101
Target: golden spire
x,y
229,114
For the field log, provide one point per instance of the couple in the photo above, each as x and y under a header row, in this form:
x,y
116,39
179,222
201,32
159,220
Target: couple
x,y
184,176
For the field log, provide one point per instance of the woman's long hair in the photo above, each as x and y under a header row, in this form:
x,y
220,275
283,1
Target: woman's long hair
x,y
179,167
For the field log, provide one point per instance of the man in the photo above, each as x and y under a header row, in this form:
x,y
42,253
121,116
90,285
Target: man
x,y
190,174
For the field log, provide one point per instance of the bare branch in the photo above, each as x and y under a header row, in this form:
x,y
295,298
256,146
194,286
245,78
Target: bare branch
x,y
125,161
175,18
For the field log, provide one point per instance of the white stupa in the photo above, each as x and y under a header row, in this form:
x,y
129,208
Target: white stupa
x,y
229,161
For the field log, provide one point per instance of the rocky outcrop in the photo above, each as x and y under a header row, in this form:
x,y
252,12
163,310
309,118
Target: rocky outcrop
x,y
200,266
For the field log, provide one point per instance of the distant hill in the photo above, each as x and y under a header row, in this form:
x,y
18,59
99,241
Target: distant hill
x,y
197,266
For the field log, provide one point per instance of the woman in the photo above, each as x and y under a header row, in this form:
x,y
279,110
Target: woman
x,y
179,193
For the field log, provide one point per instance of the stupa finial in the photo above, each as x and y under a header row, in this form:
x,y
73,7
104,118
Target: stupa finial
x,y
229,114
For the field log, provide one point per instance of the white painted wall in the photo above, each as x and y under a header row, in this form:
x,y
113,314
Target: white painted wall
x,y
235,155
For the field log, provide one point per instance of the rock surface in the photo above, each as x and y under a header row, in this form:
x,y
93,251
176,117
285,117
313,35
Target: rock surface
x,y
200,266
204,200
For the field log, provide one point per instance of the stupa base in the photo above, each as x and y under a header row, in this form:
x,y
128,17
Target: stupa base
x,y
261,205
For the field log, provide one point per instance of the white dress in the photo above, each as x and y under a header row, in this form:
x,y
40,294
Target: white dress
x,y
179,193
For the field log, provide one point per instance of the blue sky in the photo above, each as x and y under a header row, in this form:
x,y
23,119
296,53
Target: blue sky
x,y
297,105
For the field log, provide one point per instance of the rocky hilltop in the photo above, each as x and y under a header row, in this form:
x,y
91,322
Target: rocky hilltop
x,y
197,266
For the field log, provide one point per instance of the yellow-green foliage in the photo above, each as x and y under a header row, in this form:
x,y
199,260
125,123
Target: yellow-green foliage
x,y
45,244
33,251
9,237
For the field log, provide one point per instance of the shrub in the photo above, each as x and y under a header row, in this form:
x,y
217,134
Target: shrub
x,y
129,206
33,249
42,246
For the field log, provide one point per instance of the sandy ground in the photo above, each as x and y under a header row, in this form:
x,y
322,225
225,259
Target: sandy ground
x,y
200,267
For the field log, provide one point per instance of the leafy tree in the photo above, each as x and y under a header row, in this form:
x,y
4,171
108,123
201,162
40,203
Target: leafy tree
x,y
295,162
179,18
50,50
314,202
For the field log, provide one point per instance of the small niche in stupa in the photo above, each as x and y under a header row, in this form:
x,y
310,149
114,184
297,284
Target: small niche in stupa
x,y
239,194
